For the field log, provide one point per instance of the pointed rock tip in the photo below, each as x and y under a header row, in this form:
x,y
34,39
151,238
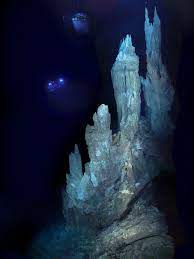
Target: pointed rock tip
x,y
128,40
156,17
102,109
146,14
122,43
76,149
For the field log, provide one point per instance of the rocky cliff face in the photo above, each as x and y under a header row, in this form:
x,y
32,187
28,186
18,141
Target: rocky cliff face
x,y
112,198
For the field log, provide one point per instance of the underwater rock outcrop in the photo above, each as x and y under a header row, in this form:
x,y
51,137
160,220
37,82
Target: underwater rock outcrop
x,y
112,198
107,185
121,166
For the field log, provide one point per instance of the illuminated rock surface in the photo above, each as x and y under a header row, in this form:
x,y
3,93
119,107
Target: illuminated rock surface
x,y
157,88
142,234
111,201
126,83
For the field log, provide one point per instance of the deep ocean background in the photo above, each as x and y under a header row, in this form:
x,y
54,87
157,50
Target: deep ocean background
x,y
38,129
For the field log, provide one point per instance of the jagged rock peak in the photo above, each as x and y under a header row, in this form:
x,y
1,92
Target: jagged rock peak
x,y
76,149
102,110
126,49
75,163
157,88
156,17
152,32
126,43
102,117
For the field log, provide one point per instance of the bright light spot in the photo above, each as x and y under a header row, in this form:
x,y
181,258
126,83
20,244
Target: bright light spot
x,y
61,80
125,192
80,23
55,84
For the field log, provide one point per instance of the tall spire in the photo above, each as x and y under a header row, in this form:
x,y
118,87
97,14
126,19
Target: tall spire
x,y
126,84
157,90
156,18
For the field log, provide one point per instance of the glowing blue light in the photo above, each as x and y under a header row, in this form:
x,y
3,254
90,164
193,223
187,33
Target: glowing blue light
x,y
61,80
80,17
55,84
50,86
80,23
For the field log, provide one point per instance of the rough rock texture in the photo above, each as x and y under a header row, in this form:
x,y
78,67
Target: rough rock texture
x,y
110,199
157,88
107,186
123,164
127,86
142,226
